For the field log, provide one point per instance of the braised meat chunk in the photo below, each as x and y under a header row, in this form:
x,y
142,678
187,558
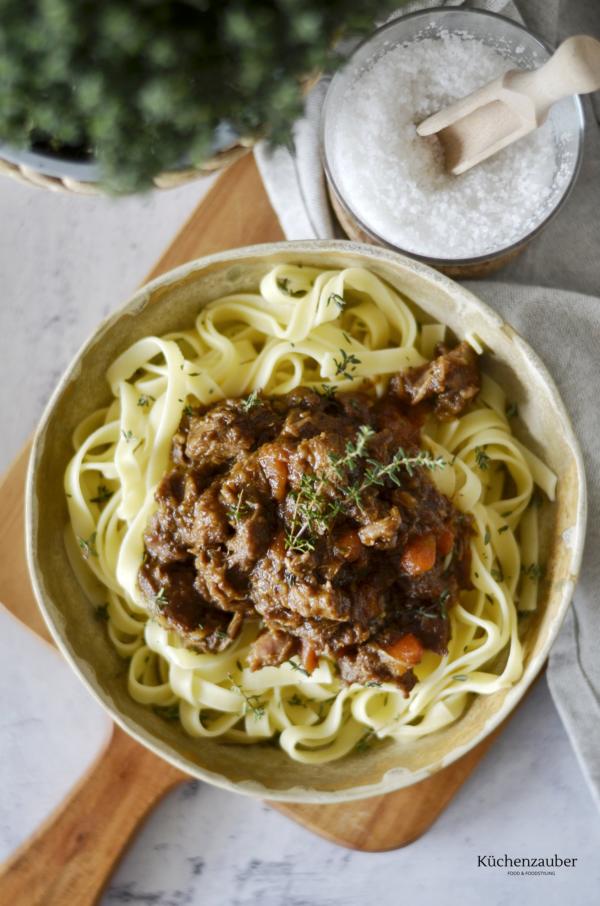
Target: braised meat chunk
x,y
452,380
318,516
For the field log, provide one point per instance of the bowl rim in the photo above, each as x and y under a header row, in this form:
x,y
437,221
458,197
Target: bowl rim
x,y
395,778
449,11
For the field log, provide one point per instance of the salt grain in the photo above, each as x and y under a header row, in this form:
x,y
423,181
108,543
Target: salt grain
x,y
395,181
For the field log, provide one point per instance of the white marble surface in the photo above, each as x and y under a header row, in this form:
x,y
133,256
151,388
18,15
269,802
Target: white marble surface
x,y
65,263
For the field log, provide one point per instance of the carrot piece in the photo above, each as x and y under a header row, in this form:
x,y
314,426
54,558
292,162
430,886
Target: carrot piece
x,y
309,657
407,649
445,541
349,545
419,555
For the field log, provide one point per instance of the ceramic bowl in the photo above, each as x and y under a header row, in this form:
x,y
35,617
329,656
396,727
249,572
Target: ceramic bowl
x,y
172,301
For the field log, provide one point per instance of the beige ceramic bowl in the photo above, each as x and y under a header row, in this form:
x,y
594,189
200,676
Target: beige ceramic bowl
x,y
172,301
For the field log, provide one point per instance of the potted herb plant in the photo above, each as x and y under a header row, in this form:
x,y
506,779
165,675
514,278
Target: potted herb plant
x,y
124,94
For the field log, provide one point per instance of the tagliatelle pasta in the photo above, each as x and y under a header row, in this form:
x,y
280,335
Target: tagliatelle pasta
x,y
292,333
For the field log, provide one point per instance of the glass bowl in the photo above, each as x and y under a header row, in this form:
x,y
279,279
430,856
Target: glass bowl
x,y
525,51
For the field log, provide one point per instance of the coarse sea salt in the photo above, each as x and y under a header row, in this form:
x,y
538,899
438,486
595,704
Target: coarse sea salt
x,y
394,181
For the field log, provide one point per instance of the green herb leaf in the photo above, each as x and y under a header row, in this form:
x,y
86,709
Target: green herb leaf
x,y
482,459
365,742
87,546
102,495
160,598
533,571
238,511
253,399
338,300
167,712
252,703
285,286
298,667
346,364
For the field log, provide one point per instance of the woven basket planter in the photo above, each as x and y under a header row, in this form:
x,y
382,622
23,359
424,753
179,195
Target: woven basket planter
x,y
24,170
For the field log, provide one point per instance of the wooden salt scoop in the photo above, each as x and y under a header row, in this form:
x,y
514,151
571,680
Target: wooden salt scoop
x,y
474,128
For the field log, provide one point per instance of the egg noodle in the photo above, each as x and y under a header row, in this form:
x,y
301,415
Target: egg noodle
x,y
292,332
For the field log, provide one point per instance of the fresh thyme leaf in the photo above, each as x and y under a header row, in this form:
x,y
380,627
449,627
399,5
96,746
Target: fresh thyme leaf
x,y
424,614
503,528
253,399
346,337
144,400
365,741
486,537
238,664
253,703
536,498
295,700
297,667
460,677
239,510
126,435
443,599
512,410
533,571
101,612
102,495
327,391
497,574
372,683
160,598
188,410
284,285
87,546
339,300
482,459
346,365
167,712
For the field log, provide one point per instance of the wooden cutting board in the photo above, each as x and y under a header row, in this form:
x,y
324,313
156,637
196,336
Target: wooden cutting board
x,y
71,857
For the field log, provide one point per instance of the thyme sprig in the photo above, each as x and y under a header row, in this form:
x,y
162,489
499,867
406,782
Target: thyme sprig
x,y
327,391
252,703
238,510
253,399
314,511
346,365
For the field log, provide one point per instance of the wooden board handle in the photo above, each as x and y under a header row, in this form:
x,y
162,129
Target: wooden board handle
x,y
71,857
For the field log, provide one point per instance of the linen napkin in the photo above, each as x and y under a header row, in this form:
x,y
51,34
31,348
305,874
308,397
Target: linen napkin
x,y
552,300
